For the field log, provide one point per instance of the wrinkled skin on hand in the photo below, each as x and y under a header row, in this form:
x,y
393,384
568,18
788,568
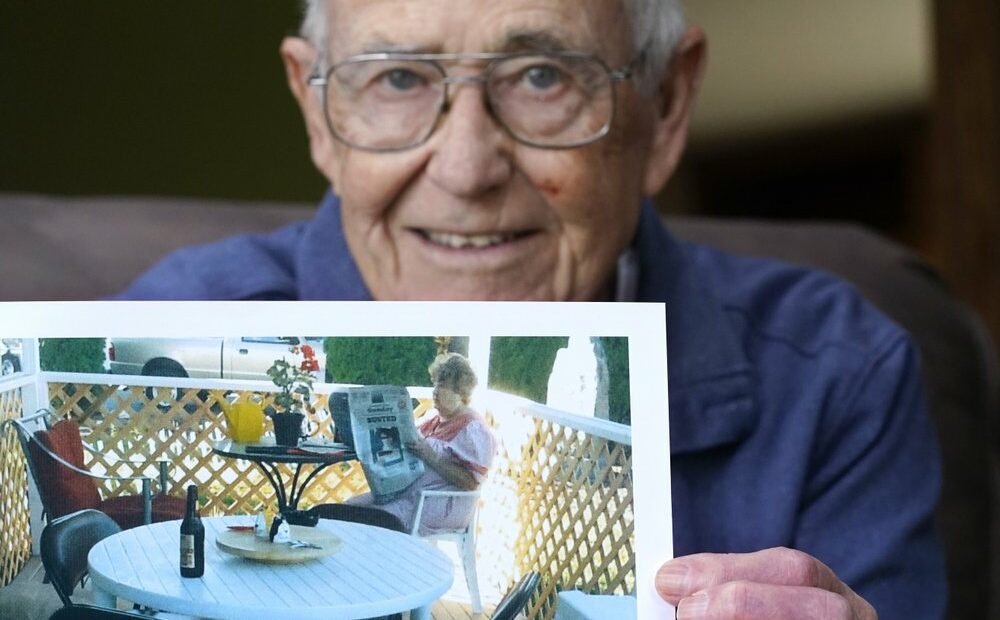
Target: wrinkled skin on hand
x,y
422,450
773,583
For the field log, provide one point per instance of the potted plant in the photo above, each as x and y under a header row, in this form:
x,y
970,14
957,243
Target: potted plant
x,y
295,380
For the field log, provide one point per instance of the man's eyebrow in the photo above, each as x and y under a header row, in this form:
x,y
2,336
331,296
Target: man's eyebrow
x,y
533,41
517,41
382,46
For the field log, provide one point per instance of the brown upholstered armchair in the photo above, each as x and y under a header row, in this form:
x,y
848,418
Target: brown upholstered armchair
x,y
61,252
960,372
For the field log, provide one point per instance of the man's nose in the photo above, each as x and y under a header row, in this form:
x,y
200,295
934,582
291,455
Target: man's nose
x,y
470,151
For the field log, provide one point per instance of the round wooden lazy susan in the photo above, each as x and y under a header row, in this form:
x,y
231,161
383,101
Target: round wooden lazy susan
x,y
246,545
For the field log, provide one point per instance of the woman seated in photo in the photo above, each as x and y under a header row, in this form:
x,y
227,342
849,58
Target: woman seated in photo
x,y
457,448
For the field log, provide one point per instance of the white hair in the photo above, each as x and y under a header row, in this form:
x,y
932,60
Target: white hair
x,y
656,25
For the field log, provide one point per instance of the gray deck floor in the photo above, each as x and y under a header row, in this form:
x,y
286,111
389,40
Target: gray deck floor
x,y
29,598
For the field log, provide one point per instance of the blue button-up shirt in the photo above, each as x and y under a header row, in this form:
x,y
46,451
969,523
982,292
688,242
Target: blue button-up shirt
x,y
797,416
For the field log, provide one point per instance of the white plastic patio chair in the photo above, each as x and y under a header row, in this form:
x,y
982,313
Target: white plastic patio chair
x,y
464,538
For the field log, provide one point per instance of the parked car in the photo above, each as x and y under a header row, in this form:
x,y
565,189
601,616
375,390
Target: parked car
x,y
246,357
10,356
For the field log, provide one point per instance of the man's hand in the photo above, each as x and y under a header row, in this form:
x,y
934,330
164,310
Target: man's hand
x,y
774,583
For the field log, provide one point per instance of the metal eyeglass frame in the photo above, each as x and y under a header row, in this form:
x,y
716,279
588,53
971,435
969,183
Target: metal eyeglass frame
x,y
321,79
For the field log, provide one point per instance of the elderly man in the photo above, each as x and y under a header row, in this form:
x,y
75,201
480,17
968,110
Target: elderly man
x,y
503,150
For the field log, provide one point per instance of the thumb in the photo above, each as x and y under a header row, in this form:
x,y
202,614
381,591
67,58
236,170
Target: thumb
x,y
673,581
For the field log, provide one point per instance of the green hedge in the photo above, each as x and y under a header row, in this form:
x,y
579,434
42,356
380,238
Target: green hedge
x,y
71,354
619,401
518,365
379,360
522,365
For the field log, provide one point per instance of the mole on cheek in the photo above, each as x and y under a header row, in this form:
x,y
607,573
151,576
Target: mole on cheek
x,y
549,187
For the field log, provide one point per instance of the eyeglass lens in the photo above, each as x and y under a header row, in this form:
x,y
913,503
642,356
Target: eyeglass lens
x,y
550,101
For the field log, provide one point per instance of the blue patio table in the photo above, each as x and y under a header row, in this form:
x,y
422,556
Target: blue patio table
x,y
374,572
576,605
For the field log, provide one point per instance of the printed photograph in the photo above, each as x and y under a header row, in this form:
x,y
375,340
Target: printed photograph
x,y
448,476
389,449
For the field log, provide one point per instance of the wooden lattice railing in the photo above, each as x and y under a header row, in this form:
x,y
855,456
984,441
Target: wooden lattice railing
x,y
15,541
558,500
574,505
125,425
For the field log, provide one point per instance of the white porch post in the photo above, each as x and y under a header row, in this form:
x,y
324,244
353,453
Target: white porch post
x,y
479,357
34,396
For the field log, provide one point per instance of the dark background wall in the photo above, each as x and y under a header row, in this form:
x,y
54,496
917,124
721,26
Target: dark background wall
x,y
185,97
883,112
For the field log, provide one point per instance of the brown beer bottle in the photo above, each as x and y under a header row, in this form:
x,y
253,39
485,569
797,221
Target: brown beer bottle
x,y
192,538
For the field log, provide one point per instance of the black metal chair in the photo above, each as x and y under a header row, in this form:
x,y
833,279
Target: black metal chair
x,y
89,612
64,546
54,451
359,514
517,597
65,543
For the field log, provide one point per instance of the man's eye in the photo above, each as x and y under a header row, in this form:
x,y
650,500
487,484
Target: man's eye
x,y
402,79
542,76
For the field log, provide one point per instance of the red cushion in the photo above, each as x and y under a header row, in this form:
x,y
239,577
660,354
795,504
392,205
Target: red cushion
x,y
126,510
63,490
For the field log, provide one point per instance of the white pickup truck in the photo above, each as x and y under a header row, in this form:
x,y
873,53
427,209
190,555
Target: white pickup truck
x,y
246,357
10,356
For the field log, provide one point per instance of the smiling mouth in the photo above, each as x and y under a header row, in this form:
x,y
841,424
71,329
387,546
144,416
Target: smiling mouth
x,y
458,241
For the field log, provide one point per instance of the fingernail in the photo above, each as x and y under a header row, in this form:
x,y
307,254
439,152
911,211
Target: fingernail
x,y
673,579
693,607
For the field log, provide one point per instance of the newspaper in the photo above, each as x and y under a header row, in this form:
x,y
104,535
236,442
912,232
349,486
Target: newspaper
x,y
381,423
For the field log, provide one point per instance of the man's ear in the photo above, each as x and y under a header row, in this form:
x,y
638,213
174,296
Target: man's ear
x,y
299,57
675,105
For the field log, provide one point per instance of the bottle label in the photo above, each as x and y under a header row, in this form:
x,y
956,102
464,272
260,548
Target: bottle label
x,y
187,551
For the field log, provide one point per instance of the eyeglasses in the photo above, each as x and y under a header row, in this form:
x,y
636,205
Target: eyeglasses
x,y
392,102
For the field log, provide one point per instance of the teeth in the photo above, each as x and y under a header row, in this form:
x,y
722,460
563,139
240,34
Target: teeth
x,y
456,241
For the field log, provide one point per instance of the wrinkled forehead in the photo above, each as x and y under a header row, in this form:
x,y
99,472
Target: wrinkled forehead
x,y
455,26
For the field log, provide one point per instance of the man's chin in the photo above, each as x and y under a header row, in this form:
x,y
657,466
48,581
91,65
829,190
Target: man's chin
x,y
446,289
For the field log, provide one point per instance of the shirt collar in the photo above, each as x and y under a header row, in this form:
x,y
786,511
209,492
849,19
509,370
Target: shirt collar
x,y
711,379
325,267
627,276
